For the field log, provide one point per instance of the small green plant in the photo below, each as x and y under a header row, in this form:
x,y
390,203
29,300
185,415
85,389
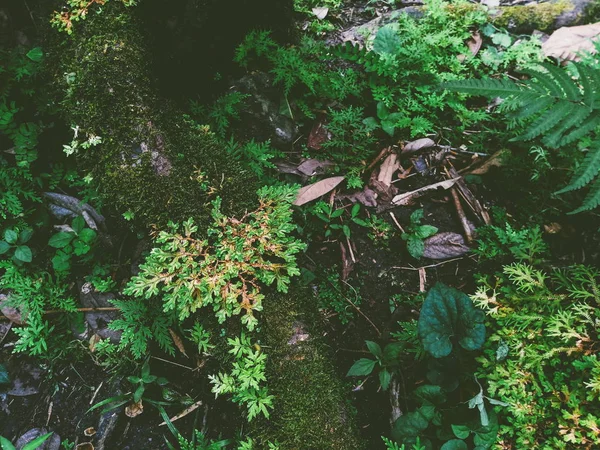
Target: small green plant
x,y
526,244
74,240
77,10
5,444
338,297
256,155
386,360
14,242
198,442
379,230
541,357
416,233
223,112
75,144
201,337
327,213
246,379
225,270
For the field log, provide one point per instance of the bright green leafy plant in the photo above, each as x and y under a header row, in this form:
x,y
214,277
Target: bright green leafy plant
x,y
386,360
416,233
74,240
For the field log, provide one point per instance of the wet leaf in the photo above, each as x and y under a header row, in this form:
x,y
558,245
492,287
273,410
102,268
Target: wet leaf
x,y
568,42
316,190
445,245
318,135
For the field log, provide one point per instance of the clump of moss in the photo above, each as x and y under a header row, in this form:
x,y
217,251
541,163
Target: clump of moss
x,y
311,409
152,162
540,16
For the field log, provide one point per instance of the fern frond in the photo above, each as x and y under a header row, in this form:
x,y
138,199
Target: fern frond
x,y
563,79
489,87
588,79
537,105
592,200
581,131
586,172
579,115
549,119
544,83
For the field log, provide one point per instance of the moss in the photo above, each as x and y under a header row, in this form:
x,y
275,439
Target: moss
x,y
540,16
151,158
311,409
591,13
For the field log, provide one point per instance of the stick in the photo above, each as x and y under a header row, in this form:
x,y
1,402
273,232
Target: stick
x,y
426,267
360,312
379,157
461,215
184,413
396,222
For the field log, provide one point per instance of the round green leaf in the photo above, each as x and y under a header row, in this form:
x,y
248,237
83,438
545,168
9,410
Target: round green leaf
x,y
23,253
25,235
60,240
361,367
461,431
10,236
87,235
387,40
4,247
447,316
455,444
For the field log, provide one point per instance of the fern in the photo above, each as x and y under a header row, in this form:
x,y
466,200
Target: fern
x,y
555,107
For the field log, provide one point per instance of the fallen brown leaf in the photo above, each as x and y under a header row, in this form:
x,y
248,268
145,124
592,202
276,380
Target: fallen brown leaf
x,y
11,313
316,190
367,197
493,161
85,446
312,167
567,43
89,431
318,135
408,198
389,166
445,245
474,44
178,342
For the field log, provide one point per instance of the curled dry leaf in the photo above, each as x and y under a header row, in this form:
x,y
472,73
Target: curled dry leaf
x,y
408,198
134,409
318,135
312,167
320,12
474,44
94,341
315,190
367,197
389,166
445,245
178,342
567,43
417,145
89,431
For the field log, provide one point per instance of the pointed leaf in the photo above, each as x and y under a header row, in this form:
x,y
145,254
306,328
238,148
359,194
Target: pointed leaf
x,y
316,190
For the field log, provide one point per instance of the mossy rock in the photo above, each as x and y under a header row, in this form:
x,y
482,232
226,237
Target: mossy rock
x,y
534,16
312,410
152,161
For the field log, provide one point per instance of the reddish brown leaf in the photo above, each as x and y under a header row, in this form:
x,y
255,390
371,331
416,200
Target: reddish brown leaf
x,y
318,135
178,342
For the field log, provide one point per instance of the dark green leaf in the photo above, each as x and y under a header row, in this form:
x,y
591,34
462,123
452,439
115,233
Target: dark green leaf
x,y
23,253
415,247
78,224
10,236
139,392
424,231
387,40
355,210
25,235
430,395
375,349
35,54
448,315
87,235
134,380
455,444
384,379
361,367
389,126
411,425
4,247
61,239
346,230
461,431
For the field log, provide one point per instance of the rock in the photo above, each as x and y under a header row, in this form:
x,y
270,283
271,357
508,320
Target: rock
x,y
106,427
364,33
97,321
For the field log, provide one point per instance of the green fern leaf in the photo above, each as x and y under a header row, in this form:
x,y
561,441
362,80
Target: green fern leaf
x,y
588,80
531,108
579,115
488,87
592,200
565,81
547,121
586,172
544,83
582,130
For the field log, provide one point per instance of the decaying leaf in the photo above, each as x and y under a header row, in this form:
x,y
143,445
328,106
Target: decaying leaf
x,y
315,190
445,245
567,43
134,409
11,313
178,342
387,169
320,12
287,167
94,341
417,145
318,135
367,197
496,160
408,198
474,44
312,167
